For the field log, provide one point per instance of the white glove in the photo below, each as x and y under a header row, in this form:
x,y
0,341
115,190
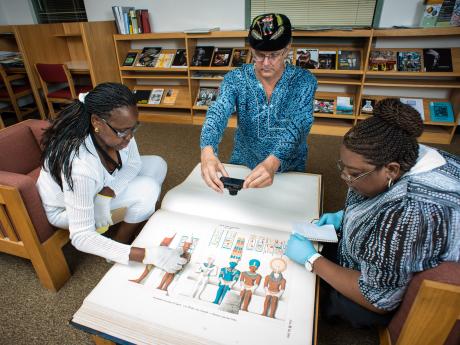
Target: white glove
x,y
165,258
102,215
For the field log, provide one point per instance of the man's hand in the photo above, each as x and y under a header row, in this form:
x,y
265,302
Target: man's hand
x,y
210,167
165,258
331,218
299,249
262,175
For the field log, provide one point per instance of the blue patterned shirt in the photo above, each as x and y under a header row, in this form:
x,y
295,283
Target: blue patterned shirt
x,y
412,227
278,128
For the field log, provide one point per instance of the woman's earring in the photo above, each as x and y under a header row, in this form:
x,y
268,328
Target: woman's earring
x,y
96,129
390,183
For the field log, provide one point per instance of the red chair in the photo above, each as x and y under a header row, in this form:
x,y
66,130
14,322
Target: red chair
x,y
24,227
59,76
12,88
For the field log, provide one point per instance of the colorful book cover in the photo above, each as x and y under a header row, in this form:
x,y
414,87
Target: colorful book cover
x,y
148,57
170,96
327,59
155,96
240,56
409,62
307,58
344,105
437,60
165,60
445,14
180,58
130,58
430,15
142,96
221,57
441,112
367,106
202,56
349,60
324,106
416,103
207,96
382,60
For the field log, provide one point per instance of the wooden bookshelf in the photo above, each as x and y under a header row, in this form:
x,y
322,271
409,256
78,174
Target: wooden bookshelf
x,y
354,82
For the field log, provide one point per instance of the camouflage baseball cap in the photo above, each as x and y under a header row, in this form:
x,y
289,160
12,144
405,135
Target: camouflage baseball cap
x,y
269,32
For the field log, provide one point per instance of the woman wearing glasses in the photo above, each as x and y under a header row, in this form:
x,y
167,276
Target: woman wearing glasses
x,y
401,216
274,105
91,165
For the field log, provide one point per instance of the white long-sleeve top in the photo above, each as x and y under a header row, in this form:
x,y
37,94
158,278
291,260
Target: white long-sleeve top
x,y
89,177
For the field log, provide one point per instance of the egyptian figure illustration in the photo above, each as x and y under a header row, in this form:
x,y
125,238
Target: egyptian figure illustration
x,y
250,280
205,270
166,242
228,276
169,277
274,285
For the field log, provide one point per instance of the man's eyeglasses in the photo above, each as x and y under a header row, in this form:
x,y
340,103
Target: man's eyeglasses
x,y
125,133
271,57
348,178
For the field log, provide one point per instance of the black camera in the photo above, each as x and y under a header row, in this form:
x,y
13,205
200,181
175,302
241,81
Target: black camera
x,y
232,184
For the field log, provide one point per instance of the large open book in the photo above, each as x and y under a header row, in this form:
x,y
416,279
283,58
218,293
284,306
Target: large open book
x,y
237,287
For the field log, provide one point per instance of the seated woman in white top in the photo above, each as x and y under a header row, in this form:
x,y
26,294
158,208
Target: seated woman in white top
x,y
91,165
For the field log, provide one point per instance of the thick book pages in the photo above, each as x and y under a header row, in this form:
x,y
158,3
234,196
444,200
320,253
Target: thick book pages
x,y
237,287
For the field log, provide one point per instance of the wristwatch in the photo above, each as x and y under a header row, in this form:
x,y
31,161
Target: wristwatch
x,y
310,261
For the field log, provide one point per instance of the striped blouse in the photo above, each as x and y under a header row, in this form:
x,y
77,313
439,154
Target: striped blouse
x,y
411,227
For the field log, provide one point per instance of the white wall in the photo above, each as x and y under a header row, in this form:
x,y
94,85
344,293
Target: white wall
x,y
16,12
401,13
177,15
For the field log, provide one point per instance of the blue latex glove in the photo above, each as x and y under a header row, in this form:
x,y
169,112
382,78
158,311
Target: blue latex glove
x,y
331,218
299,249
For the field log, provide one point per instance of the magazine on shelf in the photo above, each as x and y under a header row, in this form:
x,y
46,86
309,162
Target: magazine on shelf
x,y
155,96
344,105
416,103
180,59
327,59
202,56
148,57
441,112
382,60
349,59
307,58
164,60
222,235
142,96
240,56
437,59
430,15
409,62
170,96
130,58
367,106
289,57
324,106
445,13
221,57
207,96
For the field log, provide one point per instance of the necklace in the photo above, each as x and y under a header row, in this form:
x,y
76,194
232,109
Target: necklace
x,y
116,165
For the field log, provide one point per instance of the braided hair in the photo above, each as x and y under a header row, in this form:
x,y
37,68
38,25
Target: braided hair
x,y
62,140
388,136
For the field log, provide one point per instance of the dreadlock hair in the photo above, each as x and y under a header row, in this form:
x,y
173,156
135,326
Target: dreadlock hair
x,y
61,141
388,136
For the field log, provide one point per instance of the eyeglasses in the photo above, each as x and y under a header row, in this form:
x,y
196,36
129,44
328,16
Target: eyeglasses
x,y
348,178
125,133
271,57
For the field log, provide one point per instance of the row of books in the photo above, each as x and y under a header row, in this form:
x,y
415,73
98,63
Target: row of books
x,y
156,96
416,60
131,21
343,105
441,13
312,58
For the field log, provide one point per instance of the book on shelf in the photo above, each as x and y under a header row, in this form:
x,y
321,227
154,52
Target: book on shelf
x,y
409,61
145,21
344,105
445,13
180,58
130,58
441,112
367,106
207,75
148,57
155,96
430,15
324,106
289,57
170,96
349,59
164,60
202,56
382,60
131,21
455,18
221,57
142,96
222,236
307,58
240,56
437,59
327,59
416,103
207,96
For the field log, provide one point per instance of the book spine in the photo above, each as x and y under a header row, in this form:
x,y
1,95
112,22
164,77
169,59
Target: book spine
x,y
146,22
117,21
139,21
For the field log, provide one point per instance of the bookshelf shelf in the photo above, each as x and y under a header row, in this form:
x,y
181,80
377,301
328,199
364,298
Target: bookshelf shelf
x,y
357,84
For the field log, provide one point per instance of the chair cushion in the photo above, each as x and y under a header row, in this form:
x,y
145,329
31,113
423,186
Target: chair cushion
x,y
65,92
19,151
52,73
446,272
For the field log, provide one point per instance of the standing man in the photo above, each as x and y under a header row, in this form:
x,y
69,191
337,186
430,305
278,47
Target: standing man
x,y
274,103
